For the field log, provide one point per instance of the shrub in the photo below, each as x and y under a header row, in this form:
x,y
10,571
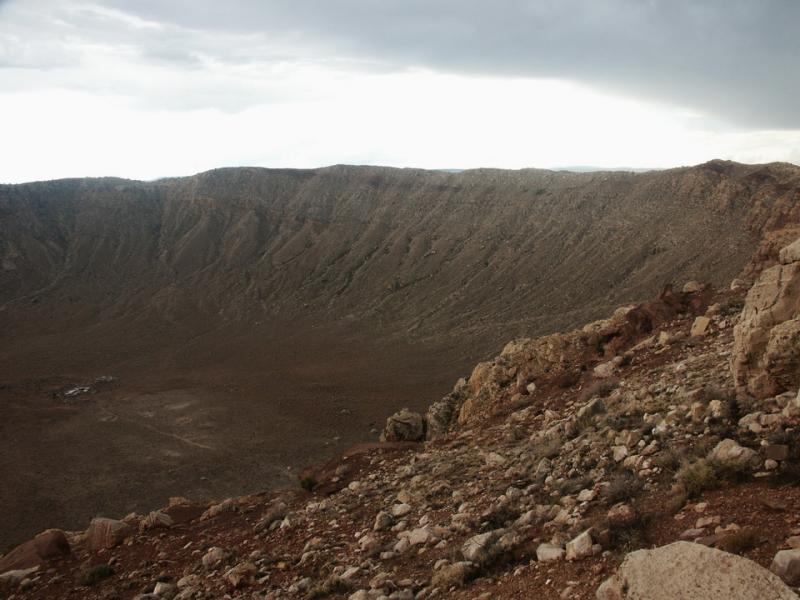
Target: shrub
x,y
622,486
668,460
739,542
632,536
697,476
308,483
730,471
95,575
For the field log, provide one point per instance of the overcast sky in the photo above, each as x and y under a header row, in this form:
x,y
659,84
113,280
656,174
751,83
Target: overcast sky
x,y
151,88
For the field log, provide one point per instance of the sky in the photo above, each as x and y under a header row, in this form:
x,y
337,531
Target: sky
x,y
152,88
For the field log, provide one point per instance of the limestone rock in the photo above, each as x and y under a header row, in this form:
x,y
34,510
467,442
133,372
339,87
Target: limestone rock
x,y
213,558
485,547
48,545
786,565
580,547
687,570
106,533
404,426
549,552
766,356
700,326
729,451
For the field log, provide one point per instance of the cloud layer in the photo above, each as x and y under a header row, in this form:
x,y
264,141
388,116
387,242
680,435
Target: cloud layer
x,y
501,83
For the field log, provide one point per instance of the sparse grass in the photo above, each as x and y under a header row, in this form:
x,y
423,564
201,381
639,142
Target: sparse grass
x,y
95,575
622,487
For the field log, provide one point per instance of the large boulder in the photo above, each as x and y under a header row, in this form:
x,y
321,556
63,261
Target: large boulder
x,y
766,351
687,571
404,426
48,545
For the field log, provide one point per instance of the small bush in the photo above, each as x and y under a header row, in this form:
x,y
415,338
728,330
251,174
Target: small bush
x,y
622,486
633,536
668,460
739,542
697,476
95,575
308,483
730,471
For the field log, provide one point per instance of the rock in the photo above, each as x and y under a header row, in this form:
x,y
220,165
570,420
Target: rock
x,y
621,515
213,558
729,452
786,565
383,521
692,287
241,575
48,545
604,370
277,511
683,570
15,577
790,253
400,510
452,575
700,327
619,453
165,590
419,536
594,407
793,541
155,520
404,426
483,548
766,350
181,510
580,547
106,533
549,552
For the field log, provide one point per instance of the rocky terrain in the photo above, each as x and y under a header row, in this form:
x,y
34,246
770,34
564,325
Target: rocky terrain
x,y
210,336
652,454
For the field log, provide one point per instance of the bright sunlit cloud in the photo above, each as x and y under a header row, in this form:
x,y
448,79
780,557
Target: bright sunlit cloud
x,y
126,95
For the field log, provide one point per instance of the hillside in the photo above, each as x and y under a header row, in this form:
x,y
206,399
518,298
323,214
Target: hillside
x,y
254,321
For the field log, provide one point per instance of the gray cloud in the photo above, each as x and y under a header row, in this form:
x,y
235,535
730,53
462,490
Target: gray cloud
x,y
733,60
736,59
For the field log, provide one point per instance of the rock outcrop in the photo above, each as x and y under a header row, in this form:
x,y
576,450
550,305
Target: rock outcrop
x,y
683,570
766,353
48,545
404,426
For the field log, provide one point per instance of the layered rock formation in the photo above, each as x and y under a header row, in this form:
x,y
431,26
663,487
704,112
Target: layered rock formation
x,y
766,357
